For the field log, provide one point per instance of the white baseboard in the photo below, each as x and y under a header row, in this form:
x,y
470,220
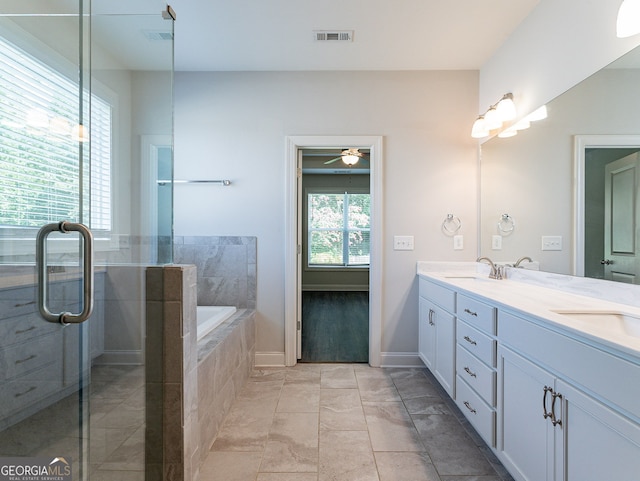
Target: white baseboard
x,y
120,357
400,359
270,359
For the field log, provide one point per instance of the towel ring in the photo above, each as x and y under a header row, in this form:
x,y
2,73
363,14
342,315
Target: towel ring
x,y
506,224
451,224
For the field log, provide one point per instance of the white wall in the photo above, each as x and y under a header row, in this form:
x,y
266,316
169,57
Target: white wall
x,y
234,125
559,44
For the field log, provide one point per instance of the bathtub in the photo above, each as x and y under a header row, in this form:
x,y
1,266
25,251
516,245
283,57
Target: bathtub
x,y
209,317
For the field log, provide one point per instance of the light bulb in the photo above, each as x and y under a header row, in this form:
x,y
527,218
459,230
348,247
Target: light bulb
x,y
506,108
479,128
628,22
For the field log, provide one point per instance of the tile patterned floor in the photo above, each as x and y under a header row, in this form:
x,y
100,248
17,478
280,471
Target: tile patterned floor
x,y
347,422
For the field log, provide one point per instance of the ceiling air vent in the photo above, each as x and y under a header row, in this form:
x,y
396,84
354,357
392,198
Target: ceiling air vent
x,y
333,35
157,35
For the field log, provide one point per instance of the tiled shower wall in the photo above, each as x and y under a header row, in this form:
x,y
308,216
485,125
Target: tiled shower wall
x,y
226,268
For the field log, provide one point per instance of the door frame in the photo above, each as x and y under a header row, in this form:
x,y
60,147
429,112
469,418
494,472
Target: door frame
x,y
580,144
293,257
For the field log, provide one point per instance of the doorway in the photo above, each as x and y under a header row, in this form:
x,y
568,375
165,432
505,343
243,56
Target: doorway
x,y
606,204
335,242
294,319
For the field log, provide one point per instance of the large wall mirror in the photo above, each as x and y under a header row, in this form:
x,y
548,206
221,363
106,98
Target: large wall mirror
x,y
571,202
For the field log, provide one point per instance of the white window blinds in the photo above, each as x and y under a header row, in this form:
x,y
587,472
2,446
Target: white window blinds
x,y
40,156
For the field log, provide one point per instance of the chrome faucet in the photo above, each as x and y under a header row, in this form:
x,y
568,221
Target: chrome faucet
x,y
495,272
522,259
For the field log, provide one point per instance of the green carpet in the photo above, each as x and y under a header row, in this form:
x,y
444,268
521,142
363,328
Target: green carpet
x,y
335,326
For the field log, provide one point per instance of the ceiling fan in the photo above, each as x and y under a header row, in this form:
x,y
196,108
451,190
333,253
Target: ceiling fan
x,y
348,156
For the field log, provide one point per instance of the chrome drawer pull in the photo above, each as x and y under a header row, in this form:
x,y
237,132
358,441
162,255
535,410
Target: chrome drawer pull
x,y
470,372
470,341
431,313
545,413
471,312
22,331
468,406
32,388
32,356
554,420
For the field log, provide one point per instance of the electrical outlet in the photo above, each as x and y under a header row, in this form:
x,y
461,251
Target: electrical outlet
x,y
458,242
496,242
403,243
551,242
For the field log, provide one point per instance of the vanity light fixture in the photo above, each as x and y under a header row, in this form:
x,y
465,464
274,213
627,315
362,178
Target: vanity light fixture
x,y
496,115
628,22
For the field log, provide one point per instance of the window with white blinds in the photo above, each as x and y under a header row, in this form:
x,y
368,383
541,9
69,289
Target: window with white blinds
x,y
46,173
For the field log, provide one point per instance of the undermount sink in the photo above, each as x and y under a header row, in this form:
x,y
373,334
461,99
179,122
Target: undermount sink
x,y
614,320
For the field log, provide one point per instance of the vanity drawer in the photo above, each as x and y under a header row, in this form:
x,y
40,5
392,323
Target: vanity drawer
x,y
20,329
20,358
476,342
442,296
478,314
26,390
479,414
477,374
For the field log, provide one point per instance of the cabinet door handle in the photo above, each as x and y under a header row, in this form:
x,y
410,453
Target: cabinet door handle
x,y
468,406
555,420
431,313
471,312
470,341
470,372
20,394
22,331
545,413
32,356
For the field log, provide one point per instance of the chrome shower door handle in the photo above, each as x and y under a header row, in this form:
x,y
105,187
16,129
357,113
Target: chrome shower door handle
x,y
88,272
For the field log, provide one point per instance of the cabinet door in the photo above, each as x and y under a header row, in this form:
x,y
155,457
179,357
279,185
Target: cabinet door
x,y
525,437
427,333
593,442
445,370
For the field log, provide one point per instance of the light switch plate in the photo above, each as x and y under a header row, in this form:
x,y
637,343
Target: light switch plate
x,y
403,243
496,242
551,242
458,242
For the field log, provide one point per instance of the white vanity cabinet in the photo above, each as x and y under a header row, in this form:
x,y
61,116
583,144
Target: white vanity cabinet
x,y
436,332
559,419
476,364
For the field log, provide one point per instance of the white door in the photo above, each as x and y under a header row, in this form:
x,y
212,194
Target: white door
x,y
621,262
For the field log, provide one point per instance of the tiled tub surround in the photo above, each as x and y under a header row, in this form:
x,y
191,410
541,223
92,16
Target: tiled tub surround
x,y
226,268
196,381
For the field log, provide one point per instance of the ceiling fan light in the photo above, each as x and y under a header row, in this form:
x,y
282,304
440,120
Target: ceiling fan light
x,y
506,108
350,159
628,22
479,129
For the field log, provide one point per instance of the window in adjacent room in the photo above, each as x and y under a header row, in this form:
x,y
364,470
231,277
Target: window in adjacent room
x,y
339,225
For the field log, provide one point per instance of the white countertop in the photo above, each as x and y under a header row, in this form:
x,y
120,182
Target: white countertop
x,y
540,302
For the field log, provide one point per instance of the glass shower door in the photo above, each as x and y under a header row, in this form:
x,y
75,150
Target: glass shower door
x,y
78,91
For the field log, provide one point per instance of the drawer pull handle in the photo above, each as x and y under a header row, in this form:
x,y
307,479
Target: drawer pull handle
x,y
554,420
545,413
471,312
32,388
22,331
468,406
470,372
32,356
470,341
431,313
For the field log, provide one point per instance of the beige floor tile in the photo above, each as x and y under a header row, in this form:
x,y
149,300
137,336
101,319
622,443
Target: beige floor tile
x,y
292,446
346,456
338,376
287,477
299,398
391,428
341,410
246,427
226,466
377,389
405,466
